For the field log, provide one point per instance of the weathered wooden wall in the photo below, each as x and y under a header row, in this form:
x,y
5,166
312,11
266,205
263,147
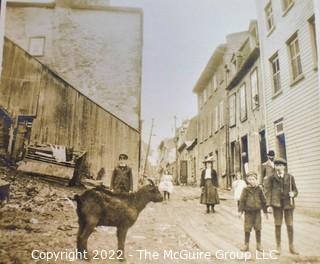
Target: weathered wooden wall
x,y
63,115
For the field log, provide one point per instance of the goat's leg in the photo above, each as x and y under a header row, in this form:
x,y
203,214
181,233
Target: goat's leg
x,y
87,230
121,235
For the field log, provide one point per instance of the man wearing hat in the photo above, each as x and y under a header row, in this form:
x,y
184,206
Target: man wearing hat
x,y
280,191
121,180
267,167
209,184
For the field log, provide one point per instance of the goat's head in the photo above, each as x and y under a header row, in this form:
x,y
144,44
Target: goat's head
x,y
152,191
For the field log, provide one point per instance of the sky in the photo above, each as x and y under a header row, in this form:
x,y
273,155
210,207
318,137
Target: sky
x,y
179,38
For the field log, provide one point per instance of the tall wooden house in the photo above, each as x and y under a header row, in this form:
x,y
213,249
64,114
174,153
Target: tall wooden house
x,y
290,77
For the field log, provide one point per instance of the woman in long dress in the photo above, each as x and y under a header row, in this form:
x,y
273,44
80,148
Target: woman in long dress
x,y
209,185
166,185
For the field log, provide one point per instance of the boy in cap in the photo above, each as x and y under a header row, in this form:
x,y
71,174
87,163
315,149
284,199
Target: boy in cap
x,y
252,200
280,190
121,180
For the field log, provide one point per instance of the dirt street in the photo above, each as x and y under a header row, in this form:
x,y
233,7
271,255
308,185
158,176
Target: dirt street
x,y
40,218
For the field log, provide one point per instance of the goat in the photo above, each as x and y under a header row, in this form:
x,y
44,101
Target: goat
x,y
101,207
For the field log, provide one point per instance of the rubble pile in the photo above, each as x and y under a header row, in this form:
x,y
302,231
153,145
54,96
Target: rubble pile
x,y
38,215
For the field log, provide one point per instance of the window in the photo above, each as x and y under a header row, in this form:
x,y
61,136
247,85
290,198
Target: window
x,y
221,117
286,4
232,110
254,89
269,16
217,119
275,70
312,27
243,103
295,59
214,82
36,46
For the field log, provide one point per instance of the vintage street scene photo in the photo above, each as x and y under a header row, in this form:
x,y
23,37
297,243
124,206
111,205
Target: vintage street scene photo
x,y
159,131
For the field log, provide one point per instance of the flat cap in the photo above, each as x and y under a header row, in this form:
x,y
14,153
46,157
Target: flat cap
x,y
123,156
280,161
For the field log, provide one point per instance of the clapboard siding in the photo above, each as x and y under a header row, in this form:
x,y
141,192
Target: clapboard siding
x,y
298,104
63,115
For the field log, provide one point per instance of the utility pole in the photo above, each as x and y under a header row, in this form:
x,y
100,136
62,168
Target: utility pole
x,y
148,149
176,146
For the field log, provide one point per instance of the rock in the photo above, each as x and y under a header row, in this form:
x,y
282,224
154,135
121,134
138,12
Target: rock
x,y
33,221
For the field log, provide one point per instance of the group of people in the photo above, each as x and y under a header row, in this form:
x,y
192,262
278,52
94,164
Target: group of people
x,y
274,193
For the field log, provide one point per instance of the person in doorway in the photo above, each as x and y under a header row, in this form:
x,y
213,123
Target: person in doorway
x,y
209,185
238,185
166,185
252,200
245,164
280,190
121,180
267,167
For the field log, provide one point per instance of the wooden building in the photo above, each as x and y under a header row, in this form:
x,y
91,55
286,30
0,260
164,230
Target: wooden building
x,y
246,113
289,61
212,108
52,111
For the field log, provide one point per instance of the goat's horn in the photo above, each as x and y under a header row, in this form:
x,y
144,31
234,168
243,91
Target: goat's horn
x,y
151,181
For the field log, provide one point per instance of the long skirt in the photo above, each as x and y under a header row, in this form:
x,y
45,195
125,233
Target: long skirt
x,y
210,194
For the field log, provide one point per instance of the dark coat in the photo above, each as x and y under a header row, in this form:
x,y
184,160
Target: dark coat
x,y
121,180
267,170
273,190
214,178
252,199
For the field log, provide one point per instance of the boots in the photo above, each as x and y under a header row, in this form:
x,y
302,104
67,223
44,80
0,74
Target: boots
x,y
278,239
208,208
212,208
258,240
290,237
245,247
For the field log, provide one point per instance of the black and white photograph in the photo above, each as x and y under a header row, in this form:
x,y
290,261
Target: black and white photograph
x,y
159,131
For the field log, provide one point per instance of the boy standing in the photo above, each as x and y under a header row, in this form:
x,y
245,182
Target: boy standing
x,y
252,200
281,189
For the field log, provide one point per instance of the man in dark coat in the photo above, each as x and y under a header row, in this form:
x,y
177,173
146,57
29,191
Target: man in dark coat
x,y
121,180
280,191
267,167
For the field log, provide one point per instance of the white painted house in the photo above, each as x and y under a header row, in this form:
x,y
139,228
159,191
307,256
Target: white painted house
x,y
290,78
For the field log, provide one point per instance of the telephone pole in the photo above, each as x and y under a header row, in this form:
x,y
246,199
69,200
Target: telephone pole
x,y
148,149
176,147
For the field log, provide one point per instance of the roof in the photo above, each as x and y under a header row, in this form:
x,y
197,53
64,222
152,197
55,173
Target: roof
x,y
213,63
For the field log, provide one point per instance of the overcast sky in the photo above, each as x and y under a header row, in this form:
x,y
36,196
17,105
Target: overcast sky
x,y
179,38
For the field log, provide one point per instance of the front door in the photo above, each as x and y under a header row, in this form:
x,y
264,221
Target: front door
x,y
183,172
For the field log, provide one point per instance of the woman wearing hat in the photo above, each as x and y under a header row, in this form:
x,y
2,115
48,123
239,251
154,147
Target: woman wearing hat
x,y
209,185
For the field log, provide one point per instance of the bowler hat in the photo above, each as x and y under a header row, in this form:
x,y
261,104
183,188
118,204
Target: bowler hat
x,y
271,153
123,156
208,159
280,161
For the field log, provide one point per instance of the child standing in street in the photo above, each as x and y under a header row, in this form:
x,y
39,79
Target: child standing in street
x,y
166,185
238,185
252,200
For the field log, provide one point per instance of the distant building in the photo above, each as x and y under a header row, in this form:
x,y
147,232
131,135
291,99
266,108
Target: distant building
x,y
96,47
187,152
167,157
289,60
246,113
212,112
2,21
